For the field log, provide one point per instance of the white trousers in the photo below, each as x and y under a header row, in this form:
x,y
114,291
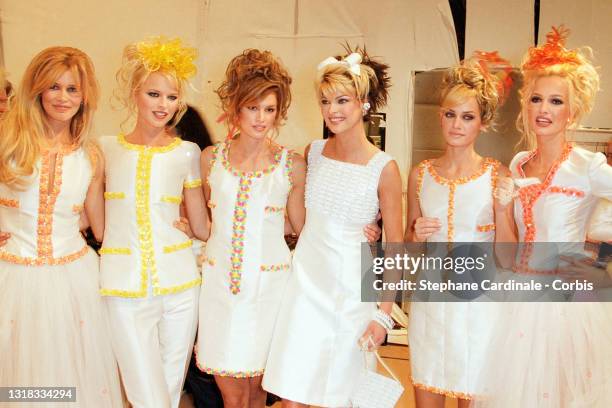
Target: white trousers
x,y
153,340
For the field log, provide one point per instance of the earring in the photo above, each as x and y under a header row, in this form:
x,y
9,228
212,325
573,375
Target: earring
x,y
366,107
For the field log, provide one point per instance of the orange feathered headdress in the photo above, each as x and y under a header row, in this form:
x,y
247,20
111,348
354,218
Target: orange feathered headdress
x,y
491,60
553,52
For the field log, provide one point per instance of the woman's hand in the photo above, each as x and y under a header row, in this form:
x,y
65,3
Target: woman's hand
x,y
182,224
374,331
372,231
425,227
4,237
504,191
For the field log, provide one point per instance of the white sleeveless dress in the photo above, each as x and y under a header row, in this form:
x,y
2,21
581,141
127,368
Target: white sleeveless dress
x,y
54,330
246,265
315,354
448,341
553,355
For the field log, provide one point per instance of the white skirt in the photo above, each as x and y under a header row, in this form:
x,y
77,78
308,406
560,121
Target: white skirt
x,y
550,355
54,332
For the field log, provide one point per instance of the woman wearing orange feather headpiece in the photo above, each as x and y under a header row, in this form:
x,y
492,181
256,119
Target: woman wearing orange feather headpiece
x,y
554,354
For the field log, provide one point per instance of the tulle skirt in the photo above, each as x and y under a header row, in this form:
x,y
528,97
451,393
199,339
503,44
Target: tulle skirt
x,y
550,355
54,332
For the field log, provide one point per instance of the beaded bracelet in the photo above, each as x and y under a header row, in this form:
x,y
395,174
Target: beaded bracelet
x,y
384,320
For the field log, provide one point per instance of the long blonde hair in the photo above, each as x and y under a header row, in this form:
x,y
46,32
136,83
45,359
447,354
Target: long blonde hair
x,y
25,124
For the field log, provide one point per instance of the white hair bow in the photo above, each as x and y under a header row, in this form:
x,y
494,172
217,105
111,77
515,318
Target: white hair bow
x,y
351,61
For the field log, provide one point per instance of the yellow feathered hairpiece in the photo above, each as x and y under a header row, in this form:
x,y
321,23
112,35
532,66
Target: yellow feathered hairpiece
x,y
161,54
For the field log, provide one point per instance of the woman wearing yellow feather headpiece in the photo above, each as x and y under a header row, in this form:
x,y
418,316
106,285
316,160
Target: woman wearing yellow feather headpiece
x,y
149,275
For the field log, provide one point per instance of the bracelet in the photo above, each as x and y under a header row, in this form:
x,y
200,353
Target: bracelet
x,y
384,320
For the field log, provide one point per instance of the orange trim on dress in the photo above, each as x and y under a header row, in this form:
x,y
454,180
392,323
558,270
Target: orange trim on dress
x,y
448,393
8,202
452,186
46,205
62,260
529,195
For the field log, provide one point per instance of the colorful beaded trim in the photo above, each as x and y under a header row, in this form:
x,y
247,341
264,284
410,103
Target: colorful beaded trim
x,y
62,260
274,268
271,209
193,183
485,228
225,373
152,149
289,168
115,251
172,199
46,206
452,186
530,194
435,390
240,210
177,247
114,195
7,202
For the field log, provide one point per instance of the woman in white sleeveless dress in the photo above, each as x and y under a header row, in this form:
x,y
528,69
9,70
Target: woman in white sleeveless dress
x,y
315,356
450,199
557,355
54,330
251,182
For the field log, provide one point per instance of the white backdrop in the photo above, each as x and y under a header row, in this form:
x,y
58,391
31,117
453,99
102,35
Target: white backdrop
x,y
409,35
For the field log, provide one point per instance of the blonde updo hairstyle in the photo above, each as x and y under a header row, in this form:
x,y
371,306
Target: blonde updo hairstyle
x,y
470,79
249,77
582,82
25,124
168,57
370,85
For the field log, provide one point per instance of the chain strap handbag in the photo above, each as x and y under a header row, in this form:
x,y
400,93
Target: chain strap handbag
x,y
375,390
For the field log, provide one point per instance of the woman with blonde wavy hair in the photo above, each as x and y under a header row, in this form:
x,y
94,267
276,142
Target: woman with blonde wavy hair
x,y
149,275
54,328
552,354
450,199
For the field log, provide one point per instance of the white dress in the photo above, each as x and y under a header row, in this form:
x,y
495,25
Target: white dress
x,y
448,340
53,326
315,356
246,265
554,355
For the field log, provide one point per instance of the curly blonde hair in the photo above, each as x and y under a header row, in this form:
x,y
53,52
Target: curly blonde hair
x,y
25,124
583,83
249,77
168,57
470,79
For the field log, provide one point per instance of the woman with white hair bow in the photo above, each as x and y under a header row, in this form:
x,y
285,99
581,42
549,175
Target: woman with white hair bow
x,y
315,353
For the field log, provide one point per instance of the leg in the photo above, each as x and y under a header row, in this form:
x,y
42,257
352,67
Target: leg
x,y
427,399
257,395
293,404
136,345
235,391
176,336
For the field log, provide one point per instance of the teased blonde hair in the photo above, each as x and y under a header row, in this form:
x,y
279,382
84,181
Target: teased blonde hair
x,y
470,79
168,57
583,83
25,124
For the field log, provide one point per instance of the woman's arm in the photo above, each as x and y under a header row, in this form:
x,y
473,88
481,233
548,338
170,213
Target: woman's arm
x,y
505,228
295,202
94,200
